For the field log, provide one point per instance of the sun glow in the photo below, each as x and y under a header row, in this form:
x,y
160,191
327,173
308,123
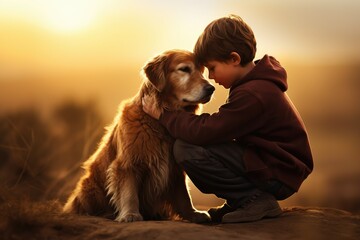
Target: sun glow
x,y
69,16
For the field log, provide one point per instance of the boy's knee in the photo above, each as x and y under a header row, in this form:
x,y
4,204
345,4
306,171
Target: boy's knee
x,y
184,151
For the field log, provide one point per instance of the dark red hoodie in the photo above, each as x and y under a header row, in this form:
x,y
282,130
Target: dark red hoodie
x,y
259,115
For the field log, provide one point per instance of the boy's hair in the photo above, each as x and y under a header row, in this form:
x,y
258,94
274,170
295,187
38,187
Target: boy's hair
x,y
223,36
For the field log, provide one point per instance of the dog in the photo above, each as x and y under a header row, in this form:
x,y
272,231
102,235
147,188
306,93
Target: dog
x,y
132,176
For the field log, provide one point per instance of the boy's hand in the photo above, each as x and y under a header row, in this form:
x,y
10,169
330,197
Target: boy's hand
x,y
150,106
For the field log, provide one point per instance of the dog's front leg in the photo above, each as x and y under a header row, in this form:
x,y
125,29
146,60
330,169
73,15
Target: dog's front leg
x,y
123,189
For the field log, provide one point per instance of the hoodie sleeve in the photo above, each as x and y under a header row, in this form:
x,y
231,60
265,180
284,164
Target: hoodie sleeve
x,y
236,118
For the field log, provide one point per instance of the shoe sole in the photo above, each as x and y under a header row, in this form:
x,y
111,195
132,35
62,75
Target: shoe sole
x,y
268,214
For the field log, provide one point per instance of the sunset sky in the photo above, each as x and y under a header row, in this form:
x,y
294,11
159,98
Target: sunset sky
x,y
71,34
67,44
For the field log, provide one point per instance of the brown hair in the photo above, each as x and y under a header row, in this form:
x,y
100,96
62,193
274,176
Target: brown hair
x,y
223,36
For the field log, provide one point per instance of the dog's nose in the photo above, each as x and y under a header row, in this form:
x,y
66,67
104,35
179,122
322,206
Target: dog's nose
x,y
209,89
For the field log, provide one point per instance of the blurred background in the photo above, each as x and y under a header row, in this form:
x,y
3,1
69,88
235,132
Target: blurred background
x,y
65,65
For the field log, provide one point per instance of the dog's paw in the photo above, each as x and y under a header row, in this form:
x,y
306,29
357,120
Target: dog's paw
x,y
129,217
199,217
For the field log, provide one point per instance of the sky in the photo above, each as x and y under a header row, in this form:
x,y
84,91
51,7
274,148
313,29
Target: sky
x,y
57,35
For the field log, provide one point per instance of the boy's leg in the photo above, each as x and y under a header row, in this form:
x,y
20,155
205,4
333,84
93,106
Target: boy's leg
x,y
219,170
216,169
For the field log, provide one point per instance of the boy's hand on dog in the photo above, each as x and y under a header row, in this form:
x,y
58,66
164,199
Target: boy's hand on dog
x,y
150,106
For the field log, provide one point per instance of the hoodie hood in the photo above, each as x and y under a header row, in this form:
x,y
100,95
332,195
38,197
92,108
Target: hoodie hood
x,y
267,68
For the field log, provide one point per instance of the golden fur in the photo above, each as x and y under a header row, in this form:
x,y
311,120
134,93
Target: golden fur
x,y
132,176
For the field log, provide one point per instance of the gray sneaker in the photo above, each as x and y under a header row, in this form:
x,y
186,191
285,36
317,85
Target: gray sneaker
x,y
256,208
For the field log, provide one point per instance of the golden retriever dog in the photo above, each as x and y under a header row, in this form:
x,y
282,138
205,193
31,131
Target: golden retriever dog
x,y
132,176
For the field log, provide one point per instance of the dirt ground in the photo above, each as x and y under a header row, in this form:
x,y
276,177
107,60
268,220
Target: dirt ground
x,y
30,220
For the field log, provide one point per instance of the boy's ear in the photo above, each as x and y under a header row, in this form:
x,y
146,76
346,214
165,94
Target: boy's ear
x,y
235,58
155,71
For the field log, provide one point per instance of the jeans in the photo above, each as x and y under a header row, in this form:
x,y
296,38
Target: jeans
x,y
219,169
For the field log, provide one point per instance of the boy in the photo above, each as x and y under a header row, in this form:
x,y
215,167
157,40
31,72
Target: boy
x,y
254,150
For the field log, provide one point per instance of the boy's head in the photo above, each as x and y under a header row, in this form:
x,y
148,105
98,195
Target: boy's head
x,y
223,36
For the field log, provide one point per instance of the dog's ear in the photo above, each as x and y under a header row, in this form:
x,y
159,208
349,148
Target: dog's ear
x,y
155,71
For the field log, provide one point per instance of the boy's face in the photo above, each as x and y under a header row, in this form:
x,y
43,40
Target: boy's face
x,y
223,73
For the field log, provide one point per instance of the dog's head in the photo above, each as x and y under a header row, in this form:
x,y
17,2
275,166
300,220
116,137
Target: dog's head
x,y
179,82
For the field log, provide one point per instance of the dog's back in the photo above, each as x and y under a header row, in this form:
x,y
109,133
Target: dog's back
x,y
89,196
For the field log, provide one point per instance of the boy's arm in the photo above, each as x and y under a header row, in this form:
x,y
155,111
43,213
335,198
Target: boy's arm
x,y
234,119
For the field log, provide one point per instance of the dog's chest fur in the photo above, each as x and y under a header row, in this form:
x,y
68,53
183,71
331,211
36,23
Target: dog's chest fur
x,y
146,147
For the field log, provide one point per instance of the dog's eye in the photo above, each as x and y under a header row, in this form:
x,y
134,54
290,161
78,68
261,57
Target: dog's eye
x,y
186,69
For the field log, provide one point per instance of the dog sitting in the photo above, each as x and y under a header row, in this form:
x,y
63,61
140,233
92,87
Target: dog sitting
x,y
132,176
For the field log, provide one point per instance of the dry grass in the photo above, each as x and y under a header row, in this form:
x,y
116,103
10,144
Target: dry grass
x,y
40,164
27,219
